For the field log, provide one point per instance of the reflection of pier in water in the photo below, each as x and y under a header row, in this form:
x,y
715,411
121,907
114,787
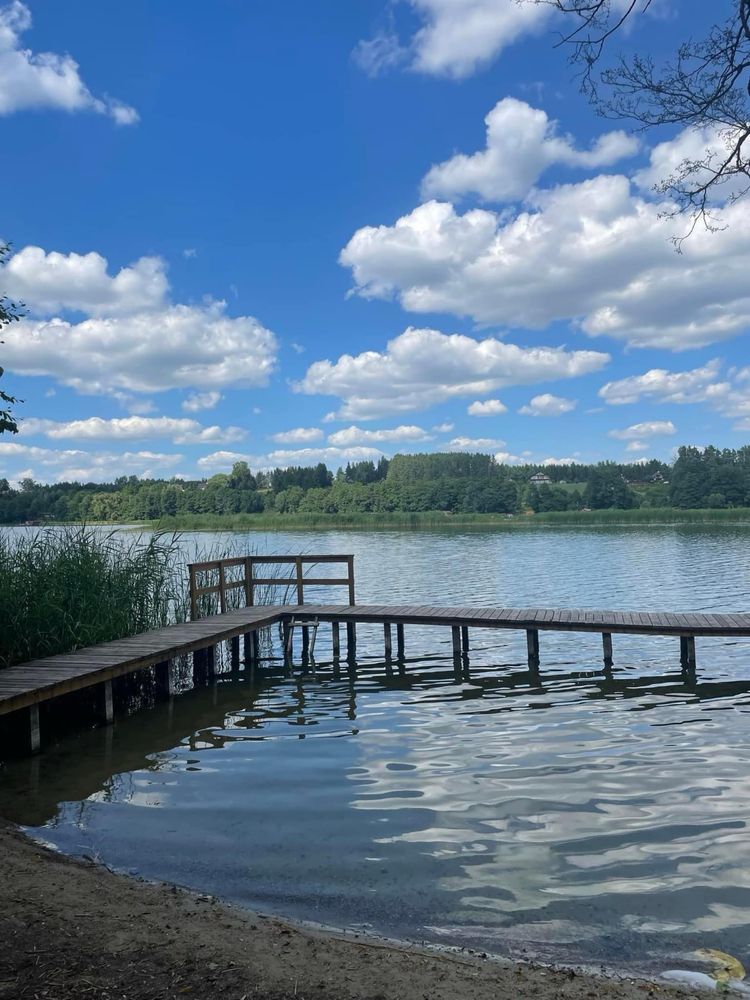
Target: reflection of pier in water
x,y
233,710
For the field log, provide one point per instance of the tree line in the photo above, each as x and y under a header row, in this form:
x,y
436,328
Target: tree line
x,y
453,483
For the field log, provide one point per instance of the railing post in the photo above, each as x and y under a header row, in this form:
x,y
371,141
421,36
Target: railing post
x,y
249,585
351,628
222,588
193,595
300,583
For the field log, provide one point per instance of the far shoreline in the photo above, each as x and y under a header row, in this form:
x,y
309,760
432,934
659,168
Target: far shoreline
x,y
640,517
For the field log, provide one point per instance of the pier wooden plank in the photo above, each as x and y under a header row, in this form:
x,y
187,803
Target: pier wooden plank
x,y
28,684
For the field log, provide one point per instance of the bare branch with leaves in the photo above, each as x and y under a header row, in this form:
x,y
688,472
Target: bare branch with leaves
x,y
704,87
10,312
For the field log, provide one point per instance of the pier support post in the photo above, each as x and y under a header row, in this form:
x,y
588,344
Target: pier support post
x,y
106,704
387,639
305,643
532,647
465,638
351,641
456,638
204,665
607,648
336,641
234,645
288,639
163,678
400,641
251,648
687,652
34,731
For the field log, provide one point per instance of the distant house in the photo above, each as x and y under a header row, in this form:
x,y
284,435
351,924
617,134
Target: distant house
x,y
540,479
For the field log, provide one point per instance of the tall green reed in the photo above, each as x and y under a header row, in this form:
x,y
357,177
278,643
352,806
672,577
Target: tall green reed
x,y
61,589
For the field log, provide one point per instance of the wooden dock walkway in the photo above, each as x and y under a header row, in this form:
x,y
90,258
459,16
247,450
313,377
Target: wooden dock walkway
x,y
219,584
23,688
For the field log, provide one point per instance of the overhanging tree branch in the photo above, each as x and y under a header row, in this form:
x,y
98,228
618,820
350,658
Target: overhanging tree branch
x,y
704,87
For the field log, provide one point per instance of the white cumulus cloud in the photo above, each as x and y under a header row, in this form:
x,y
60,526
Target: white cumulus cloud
x,y
30,80
547,405
486,408
298,435
698,385
222,461
132,339
647,429
181,430
176,347
474,444
422,367
594,253
49,282
357,435
75,465
201,401
522,142
456,37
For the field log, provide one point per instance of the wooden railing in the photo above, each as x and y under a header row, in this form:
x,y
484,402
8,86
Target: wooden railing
x,y
247,580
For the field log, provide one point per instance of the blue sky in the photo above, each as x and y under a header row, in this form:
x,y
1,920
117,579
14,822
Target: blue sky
x,y
323,230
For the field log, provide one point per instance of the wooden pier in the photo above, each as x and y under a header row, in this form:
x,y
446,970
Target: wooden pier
x,y
23,688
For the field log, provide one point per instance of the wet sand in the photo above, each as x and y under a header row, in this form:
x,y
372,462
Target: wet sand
x,y
71,929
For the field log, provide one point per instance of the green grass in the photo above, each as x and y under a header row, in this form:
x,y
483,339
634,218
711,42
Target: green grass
x,y
435,519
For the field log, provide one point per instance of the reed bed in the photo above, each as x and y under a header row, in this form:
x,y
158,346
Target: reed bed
x,y
645,516
441,519
61,589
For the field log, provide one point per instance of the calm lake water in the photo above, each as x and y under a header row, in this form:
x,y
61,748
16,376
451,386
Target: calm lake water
x,y
570,816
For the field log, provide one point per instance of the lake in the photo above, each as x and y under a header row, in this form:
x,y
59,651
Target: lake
x,y
574,816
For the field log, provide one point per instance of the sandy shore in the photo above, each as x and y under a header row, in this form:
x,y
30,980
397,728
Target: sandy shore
x,y
69,929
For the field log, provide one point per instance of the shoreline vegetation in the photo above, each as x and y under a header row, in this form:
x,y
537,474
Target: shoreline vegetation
x,y
72,928
639,516
456,484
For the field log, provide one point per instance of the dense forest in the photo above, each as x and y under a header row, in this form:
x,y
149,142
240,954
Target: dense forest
x,y
453,483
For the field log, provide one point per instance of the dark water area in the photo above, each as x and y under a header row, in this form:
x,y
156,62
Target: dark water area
x,y
571,815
